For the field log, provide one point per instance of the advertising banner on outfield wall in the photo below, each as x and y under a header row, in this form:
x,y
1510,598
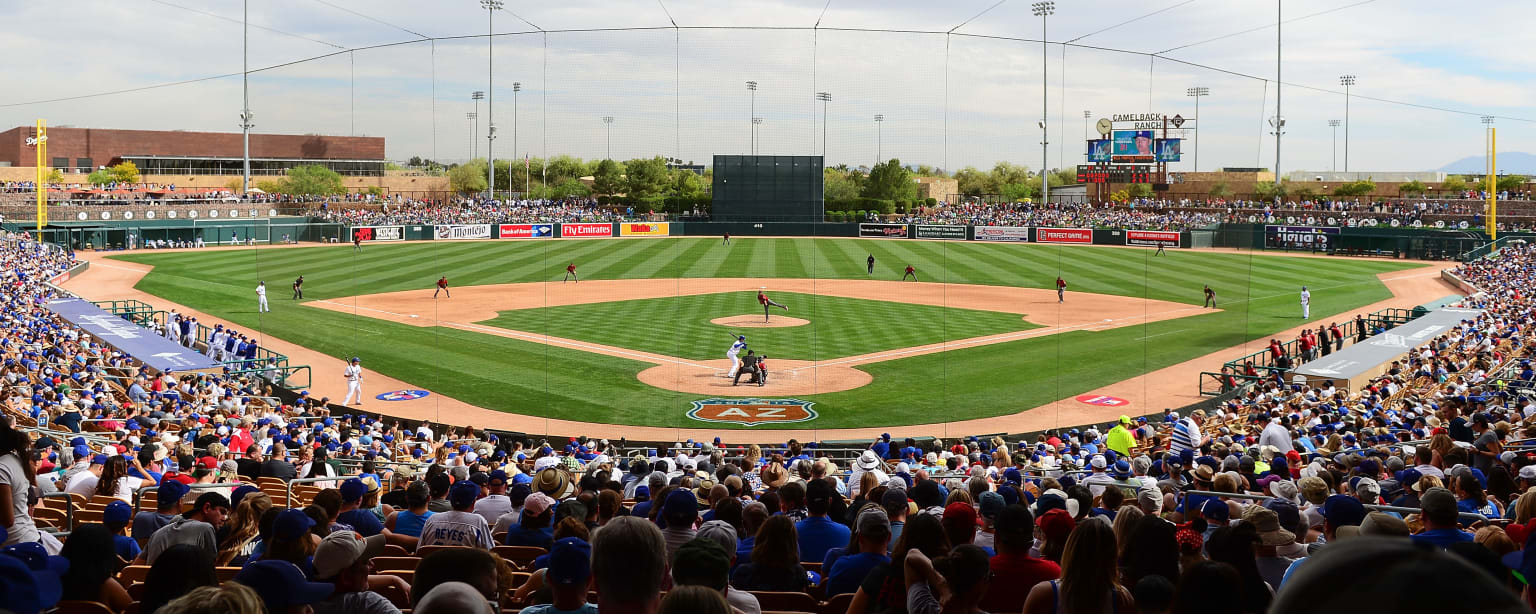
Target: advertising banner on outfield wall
x,y
1299,237
378,233
892,231
159,353
1017,234
586,230
931,231
1064,235
644,229
527,231
1152,238
461,231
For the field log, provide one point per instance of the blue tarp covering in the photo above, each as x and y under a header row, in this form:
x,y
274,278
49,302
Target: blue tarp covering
x,y
159,353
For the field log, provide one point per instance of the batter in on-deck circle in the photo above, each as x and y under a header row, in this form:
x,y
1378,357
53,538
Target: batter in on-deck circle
x,y
766,302
354,375
442,286
736,347
910,271
1061,290
870,264
570,273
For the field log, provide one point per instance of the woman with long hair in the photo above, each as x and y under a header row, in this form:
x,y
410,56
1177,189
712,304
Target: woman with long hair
x,y
115,481
775,564
1152,550
291,540
176,572
243,530
90,574
318,468
1471,498
1089,581
1125,523
16,479
1235,545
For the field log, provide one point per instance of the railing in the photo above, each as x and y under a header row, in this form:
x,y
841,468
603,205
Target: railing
x,y
1216,384
69,510
288,488
1484,249
138,495
1369,506
1264,362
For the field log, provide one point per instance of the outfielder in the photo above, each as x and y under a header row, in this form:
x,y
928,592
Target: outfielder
x,y
442,286
261,297
766,302
727,240
1306,303
570,273
357,241
869,263
736,347
354,375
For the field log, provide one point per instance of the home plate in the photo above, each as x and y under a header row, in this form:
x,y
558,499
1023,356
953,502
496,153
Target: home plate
x,y
417,316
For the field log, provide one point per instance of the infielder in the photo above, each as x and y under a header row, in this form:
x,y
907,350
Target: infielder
x,y
442,286
1210,296
736,347
910,271
354,375
762,299
261,297
1306,303
869,263
1061,290
570,273
298,288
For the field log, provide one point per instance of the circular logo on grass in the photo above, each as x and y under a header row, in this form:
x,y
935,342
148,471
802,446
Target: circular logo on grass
x,y
402,395
752,412
1099,399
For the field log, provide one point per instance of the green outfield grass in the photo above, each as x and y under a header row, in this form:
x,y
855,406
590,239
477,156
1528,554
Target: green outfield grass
x,y
1257,292
841,326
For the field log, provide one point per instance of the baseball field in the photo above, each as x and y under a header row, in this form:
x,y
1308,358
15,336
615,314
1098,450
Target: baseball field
x,y
641,338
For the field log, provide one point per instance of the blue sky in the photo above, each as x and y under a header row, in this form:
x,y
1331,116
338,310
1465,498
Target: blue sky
x,y
682,93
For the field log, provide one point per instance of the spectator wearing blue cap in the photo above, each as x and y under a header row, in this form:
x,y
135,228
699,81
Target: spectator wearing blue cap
x,y
167,508
567,577
495,503
680,511
283,587
459,526
117,517
30,579
84,482
198,527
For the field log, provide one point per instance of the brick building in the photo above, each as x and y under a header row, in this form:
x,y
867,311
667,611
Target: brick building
x,y
174,152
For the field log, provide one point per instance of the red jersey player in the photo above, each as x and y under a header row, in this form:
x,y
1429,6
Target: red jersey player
x,y
762,299
570,273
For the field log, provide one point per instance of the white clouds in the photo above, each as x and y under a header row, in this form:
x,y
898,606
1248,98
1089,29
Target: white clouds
x,y
682,92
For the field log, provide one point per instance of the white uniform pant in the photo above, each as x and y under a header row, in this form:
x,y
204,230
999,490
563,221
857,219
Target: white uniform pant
x,y
261,304
1306,311
354,388
187,339
735,366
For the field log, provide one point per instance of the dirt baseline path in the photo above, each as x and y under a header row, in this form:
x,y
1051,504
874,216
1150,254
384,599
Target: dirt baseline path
x,y
787,377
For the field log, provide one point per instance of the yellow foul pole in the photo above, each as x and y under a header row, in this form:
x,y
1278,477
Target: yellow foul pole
x,y
42,177
1493,184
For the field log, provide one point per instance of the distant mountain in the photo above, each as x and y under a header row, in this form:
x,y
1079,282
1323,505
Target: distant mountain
x,y
1513,162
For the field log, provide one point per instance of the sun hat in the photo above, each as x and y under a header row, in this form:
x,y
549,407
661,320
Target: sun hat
x,y
1268,525
868,461
342,549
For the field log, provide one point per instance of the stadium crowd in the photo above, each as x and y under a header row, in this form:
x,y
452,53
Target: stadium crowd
x,y
199,493
479,211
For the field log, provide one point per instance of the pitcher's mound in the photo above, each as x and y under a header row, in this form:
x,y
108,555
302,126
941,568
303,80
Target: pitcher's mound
x,y
756,321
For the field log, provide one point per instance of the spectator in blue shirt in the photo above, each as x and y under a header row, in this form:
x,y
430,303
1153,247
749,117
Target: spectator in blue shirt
x,y
817,532
872,530
533,529
117,516
1438,507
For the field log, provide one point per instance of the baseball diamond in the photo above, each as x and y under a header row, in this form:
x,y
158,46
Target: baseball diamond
x,y
982,336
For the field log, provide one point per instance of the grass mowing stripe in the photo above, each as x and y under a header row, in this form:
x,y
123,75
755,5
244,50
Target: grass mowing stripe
x,y
652,256
702,259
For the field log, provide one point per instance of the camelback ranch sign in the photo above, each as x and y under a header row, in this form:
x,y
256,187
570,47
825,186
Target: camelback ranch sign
x,y
752,412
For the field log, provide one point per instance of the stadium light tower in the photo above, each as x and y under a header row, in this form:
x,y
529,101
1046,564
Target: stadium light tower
x,y
1278,122
608,121
245,87
1334,123
516,87
477,96
824,97
1197,93
474,139
491,6
1044,10
1347,81
879,136
752,118
756,121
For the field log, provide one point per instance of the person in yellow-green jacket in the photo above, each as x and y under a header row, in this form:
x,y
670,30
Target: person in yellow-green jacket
x,y
1120,438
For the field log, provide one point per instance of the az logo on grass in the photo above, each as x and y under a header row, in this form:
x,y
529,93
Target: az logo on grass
x,y
752,412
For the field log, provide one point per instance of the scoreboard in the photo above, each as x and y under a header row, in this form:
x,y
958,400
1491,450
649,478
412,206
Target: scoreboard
x,y
1115,174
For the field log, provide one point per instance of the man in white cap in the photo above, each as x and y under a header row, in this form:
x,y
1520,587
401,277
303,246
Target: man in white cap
x,y
1099,479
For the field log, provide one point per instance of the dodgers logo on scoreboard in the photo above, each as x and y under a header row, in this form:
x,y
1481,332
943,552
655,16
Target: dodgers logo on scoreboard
x,y
402,395
752,412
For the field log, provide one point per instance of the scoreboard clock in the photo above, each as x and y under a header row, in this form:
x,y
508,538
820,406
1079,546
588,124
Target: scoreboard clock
x,y
1115,174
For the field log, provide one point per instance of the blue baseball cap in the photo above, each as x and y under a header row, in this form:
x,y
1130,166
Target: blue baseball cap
x,y
117,511
291,524
463,494
570,562
43,570
280,584
353,490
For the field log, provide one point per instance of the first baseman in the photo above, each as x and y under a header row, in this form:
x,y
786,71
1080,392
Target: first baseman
x,y
736,347
766,302
261,297
570,273
354,375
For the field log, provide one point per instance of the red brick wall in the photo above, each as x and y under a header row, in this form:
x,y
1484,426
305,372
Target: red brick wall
x,y
105,146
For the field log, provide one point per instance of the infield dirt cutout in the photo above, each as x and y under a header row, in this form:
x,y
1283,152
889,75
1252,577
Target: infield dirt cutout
x,y
1089,312
756,321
